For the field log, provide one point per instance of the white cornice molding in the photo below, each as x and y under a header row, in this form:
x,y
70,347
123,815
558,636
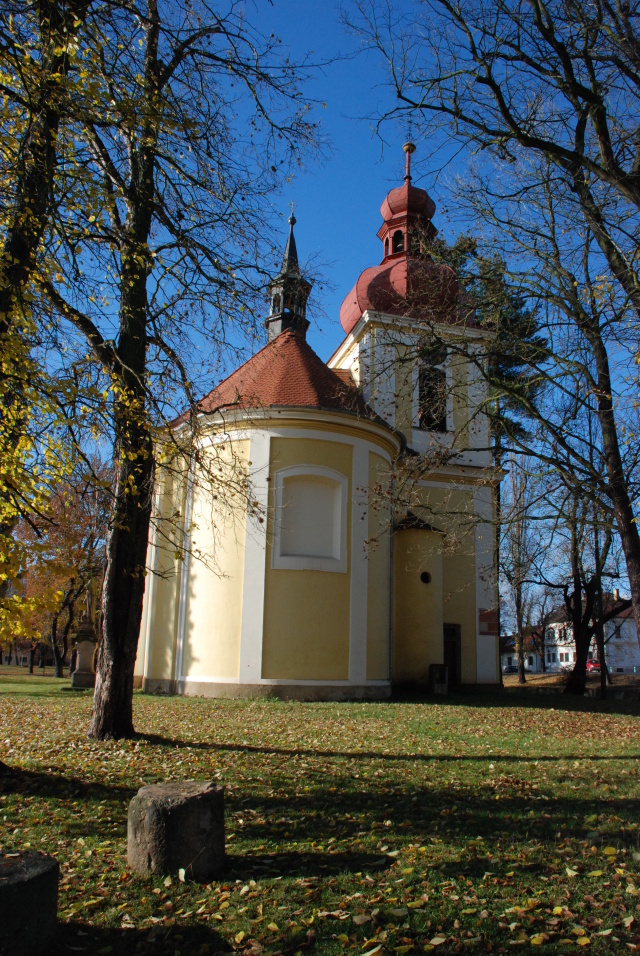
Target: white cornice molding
x,y
368,318
245,420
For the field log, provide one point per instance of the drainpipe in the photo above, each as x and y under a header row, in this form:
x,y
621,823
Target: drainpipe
x,y
391,589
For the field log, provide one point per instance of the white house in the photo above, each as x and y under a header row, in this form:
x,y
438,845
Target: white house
x,y
622,651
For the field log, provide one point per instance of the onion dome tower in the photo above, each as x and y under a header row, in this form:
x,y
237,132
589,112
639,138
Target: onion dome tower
x,y
407,282
288,293
407,212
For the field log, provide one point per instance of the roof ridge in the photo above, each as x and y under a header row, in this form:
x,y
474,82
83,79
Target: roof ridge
x,y
286,372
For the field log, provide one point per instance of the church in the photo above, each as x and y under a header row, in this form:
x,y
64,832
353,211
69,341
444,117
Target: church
x,y
354,549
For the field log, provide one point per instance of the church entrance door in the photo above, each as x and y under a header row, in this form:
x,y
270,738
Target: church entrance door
x,y
451,653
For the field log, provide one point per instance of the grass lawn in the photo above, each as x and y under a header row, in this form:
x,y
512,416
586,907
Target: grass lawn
x,y
469,825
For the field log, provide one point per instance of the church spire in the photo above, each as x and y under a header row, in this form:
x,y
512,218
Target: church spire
x,y
288,292
290,258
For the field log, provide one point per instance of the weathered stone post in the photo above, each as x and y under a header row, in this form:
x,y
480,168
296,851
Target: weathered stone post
x,y
177,826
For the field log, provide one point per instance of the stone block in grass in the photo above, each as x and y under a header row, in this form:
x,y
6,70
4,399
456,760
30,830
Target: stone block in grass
x,y
28,902
177,826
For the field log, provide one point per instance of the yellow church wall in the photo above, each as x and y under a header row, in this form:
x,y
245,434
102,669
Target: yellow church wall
x,y
211,642
306,613
417,619
459,590
163,579
351,428
378,568
451,510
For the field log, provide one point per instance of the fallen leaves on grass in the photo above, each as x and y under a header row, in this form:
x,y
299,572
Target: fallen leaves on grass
x,y
371,828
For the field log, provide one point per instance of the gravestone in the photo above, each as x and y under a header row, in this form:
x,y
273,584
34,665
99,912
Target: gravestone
x,y
177,826
85,645
28,902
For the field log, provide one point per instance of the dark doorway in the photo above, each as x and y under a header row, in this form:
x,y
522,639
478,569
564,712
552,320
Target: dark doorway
x,y
451,653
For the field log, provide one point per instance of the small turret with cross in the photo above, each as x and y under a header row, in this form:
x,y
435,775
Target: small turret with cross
x,y
288,291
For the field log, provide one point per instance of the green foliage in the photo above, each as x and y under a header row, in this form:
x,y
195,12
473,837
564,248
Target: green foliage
x,y
517,350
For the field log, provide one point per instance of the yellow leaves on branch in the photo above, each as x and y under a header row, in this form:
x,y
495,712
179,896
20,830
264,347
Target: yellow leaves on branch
x,y
34,460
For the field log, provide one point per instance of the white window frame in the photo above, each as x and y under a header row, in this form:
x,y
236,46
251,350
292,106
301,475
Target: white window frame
x,y
308,562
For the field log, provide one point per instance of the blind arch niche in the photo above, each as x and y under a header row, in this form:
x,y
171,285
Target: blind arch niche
x,y
310,519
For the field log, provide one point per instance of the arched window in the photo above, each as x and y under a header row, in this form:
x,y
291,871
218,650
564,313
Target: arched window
x,y
398,240
275,305
432,391
386,246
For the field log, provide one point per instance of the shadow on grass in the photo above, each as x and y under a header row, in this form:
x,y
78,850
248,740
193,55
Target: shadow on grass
x,y
255,866
33,783
78,937
393,818
491,758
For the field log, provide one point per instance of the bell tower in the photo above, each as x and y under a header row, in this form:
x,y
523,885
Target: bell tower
x,y
288,293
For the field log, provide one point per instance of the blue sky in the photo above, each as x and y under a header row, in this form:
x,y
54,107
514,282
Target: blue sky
x,y
337,202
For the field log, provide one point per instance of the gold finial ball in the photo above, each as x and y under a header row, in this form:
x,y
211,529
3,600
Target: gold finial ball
x,y
409,148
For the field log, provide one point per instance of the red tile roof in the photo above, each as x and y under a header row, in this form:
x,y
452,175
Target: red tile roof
x,y
344,374
286,372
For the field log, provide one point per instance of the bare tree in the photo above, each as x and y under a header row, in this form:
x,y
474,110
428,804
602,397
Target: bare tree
x,y
189,123
521,549
545,98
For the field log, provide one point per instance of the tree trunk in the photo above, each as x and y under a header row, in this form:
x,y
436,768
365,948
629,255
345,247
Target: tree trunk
x,y
599,632
124,580
578,678
58,662
122,597
58,658
32,654
616,480
577,681
497,461
598,618
519,634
